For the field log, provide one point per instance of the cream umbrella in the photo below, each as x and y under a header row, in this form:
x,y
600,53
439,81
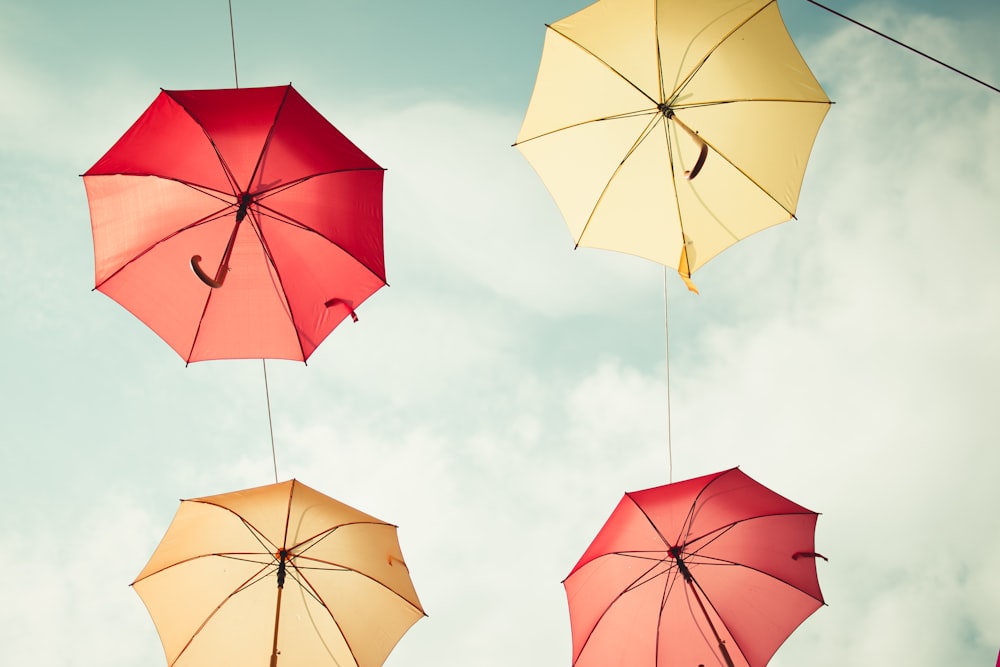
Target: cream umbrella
x,y
671,129
280,573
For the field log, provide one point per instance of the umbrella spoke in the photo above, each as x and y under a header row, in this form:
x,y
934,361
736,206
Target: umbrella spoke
x,y
654,120
652,111
679,88
611,603
604,62
257,577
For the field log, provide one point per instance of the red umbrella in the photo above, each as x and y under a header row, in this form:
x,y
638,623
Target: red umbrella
x,y
237,223
717,570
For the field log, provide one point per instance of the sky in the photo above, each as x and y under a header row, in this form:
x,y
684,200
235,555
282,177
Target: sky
x,y
499,397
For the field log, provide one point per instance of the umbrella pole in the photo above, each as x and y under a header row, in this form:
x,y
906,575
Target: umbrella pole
x,y
689,579
274,646
277,607
722,644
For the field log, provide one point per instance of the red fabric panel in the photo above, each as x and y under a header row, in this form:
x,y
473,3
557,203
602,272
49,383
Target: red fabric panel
x,y
166,142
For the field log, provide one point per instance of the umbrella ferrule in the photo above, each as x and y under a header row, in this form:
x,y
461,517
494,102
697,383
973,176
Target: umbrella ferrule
x,y
675,553
245,201
282,559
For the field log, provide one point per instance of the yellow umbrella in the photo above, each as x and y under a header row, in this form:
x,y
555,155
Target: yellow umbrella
x,y
671,129
279,571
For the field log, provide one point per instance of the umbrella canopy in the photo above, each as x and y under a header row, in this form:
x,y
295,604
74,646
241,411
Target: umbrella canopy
x,y
237,223
281,571
717,570
671,129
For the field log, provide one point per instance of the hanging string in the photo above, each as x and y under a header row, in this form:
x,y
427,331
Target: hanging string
x,y
232,38
263,362
905,46
270,425
666,339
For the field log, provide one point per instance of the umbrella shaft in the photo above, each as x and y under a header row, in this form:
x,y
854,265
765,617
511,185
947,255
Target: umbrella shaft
x,y
697,598
277,618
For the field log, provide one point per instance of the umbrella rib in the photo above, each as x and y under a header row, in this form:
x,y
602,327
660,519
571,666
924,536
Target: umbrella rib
x,y
250,581
652,524
642,137
708,54
263,194
676,199
277,283
712,103
736,166
687,600
266,543
191,559
222,161
212,192
302,547
298,574
686,524
306,586
632,586
603,62
288,220
725,562
201,221
721,643
618,116
337,567
267,140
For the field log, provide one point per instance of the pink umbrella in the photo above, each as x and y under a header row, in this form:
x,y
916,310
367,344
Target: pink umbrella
x,y
717,570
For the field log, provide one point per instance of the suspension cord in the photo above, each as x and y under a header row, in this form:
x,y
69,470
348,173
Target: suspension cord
x,y
905,46
270,425
666,340
232,39
267,393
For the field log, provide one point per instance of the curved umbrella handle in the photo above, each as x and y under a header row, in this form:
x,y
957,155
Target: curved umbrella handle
x,y
214,283
702,148
338,301
220,275
699,163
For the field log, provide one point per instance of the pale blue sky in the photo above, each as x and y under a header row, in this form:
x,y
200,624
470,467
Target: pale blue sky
x,y
501,395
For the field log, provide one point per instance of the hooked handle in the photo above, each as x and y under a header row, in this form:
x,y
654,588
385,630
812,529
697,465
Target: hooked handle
x,y
337,300
214,283
220,276
702,148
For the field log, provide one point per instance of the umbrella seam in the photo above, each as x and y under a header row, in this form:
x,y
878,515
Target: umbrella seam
x,y
222,161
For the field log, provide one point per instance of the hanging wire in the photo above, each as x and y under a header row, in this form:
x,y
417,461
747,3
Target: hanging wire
x,y
666,340
905,46
263,362
270,425
232,39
